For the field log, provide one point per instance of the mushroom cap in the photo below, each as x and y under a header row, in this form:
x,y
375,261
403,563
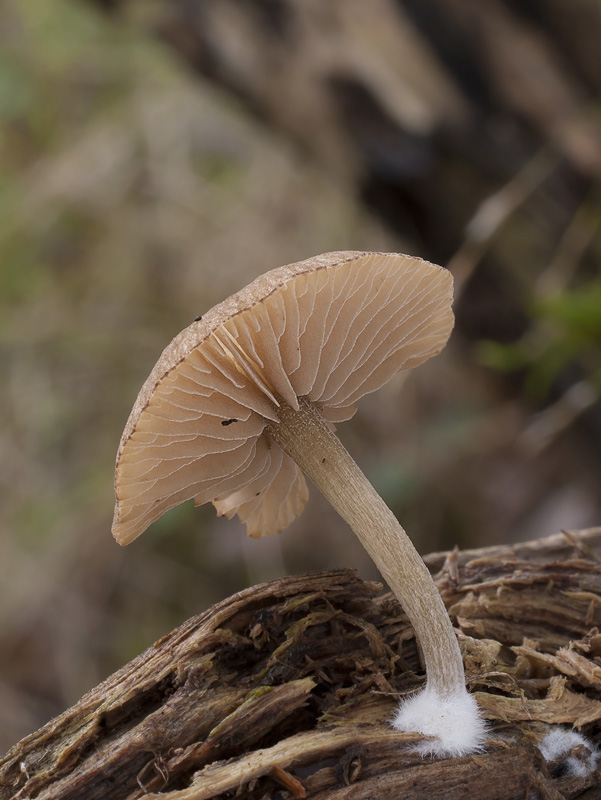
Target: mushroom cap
x,y
329,329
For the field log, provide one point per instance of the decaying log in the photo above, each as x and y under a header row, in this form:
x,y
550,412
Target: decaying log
x,y
284,691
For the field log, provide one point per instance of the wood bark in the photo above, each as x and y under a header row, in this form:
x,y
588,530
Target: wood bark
x,y
284,691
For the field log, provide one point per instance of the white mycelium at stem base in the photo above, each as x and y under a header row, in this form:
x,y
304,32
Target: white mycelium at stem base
x,y
444,709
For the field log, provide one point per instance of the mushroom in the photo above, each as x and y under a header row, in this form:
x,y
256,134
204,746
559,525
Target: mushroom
x,y
245,400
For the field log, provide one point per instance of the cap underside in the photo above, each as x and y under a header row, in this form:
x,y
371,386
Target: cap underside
x,y
331,334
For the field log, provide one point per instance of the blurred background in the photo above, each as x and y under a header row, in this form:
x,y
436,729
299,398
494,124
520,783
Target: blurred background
x,y
155,157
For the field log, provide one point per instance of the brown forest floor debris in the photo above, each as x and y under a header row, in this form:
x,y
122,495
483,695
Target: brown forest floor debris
x,y
284,691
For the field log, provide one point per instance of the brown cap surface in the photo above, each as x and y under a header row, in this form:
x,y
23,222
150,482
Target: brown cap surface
x,y
331,329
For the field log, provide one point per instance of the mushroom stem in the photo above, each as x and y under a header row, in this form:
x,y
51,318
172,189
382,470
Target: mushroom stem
x,y
310,441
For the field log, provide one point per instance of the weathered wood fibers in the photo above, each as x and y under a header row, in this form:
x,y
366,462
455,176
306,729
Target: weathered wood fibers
x,y
284,690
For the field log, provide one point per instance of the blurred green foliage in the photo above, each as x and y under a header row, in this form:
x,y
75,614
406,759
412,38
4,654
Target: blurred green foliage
x,y
565,330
